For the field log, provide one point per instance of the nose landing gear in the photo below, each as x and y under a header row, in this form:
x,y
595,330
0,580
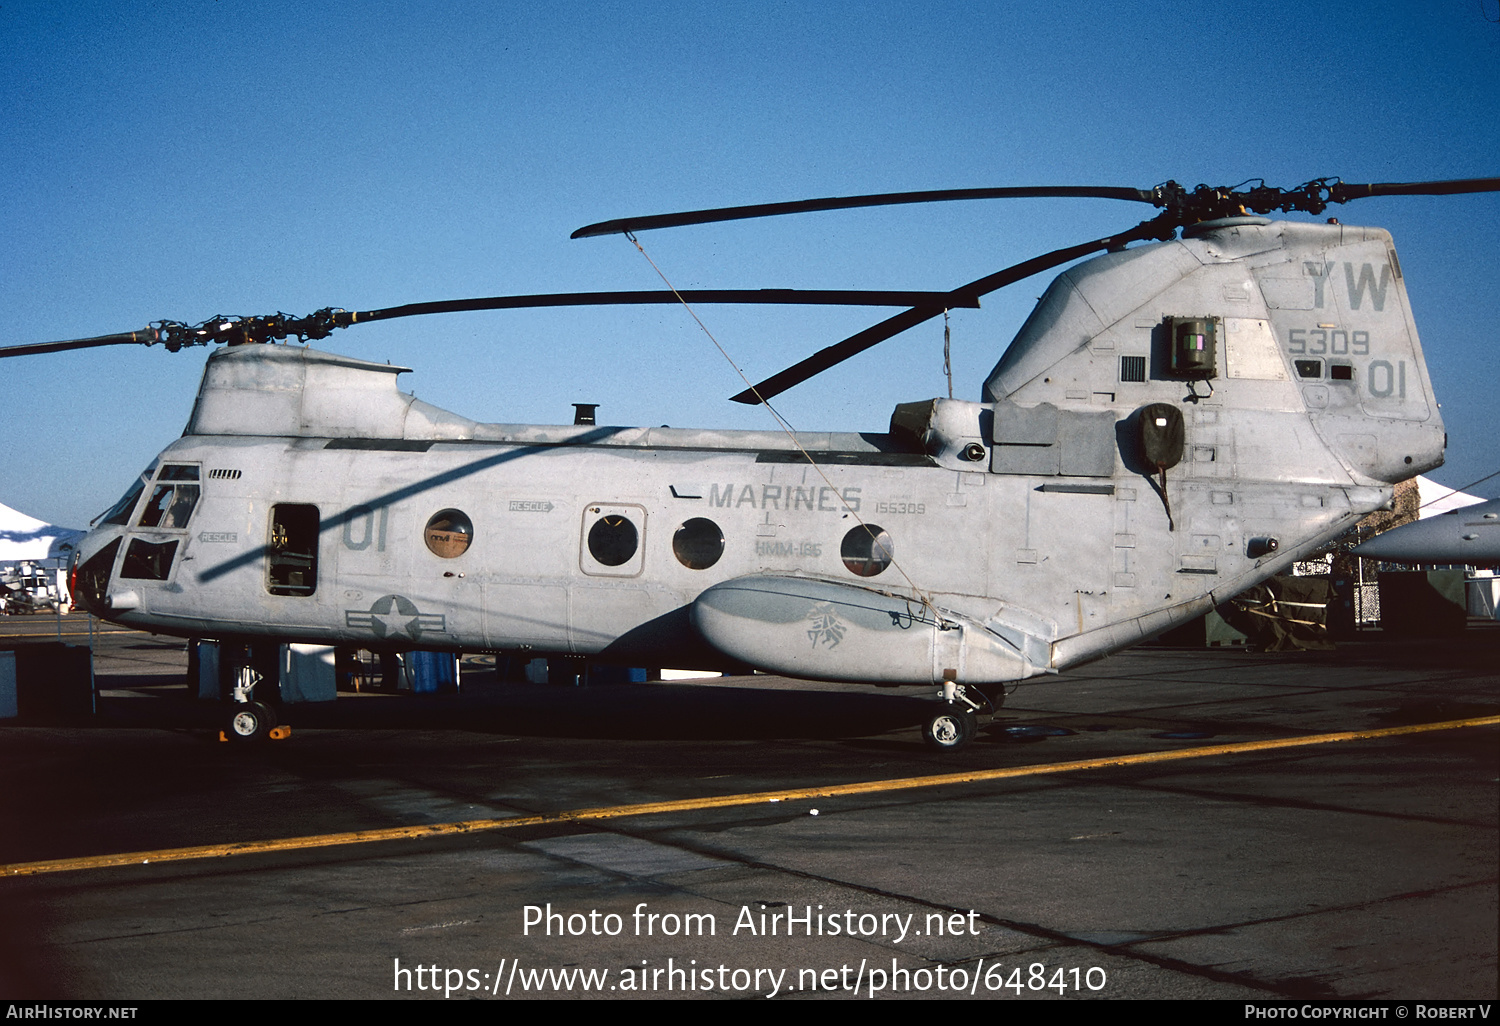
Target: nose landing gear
x,y
247,721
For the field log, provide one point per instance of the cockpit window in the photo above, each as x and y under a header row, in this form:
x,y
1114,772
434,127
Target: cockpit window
x,y
148,561
173,499
119,513
170,506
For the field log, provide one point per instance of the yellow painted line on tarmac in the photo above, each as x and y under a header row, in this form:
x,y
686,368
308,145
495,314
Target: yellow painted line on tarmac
x,y
209,851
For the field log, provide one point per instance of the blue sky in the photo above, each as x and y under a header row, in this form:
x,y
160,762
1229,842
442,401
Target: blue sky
x,y
186,159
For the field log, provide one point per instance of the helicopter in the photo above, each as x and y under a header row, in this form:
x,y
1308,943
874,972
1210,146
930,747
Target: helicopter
x,y
1210,396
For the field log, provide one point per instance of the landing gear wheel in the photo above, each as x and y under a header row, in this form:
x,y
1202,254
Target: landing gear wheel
x,y
249,722
949,728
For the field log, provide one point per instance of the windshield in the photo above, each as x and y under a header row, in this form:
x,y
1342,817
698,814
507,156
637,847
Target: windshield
x,y
119,513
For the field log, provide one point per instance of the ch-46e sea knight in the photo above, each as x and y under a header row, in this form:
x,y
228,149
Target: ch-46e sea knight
x,y
1181,417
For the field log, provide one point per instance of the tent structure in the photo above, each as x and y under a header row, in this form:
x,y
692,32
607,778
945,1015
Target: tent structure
x,y
1435,499
26,539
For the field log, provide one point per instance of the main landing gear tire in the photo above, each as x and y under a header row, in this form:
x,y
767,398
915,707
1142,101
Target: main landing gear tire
x,y
249,722
949,728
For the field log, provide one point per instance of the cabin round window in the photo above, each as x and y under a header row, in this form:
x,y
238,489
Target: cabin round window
x,y
698,544
448,533
613,540
867,550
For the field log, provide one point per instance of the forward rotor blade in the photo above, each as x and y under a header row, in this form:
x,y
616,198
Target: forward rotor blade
x,y
858,343
1343,192
144,337
240,330
640,224
768,297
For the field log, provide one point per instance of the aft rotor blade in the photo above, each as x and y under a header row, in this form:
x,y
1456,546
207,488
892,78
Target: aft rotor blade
x,y
145,337
884,199
858,343
1343,192
768,297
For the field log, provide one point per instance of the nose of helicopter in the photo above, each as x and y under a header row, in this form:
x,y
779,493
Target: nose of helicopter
x,y
92,567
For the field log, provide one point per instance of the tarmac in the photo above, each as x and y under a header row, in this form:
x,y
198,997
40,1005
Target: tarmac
x,y
1164,823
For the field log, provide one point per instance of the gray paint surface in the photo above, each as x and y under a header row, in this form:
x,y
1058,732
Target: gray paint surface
x,y
1056,546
